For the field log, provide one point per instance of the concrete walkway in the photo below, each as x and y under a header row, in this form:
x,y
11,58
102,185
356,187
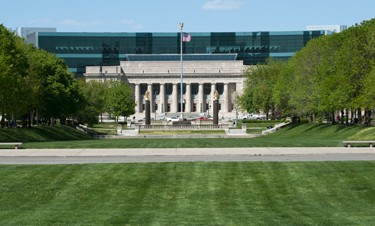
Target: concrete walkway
x,y
184,151
83,156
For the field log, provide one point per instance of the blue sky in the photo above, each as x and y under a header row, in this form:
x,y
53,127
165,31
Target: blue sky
x,y
197,15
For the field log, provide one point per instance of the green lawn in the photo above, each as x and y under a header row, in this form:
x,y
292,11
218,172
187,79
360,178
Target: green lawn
x,y
302,135
42,134
324,193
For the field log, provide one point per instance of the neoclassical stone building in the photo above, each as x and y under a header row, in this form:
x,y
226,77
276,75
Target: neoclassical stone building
x,y
163,80
151,60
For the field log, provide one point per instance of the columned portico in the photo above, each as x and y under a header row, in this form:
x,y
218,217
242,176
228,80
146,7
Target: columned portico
x,y
188,98
202,104
162,79
137,97
162,98
226,98
174,98
149,88
211,99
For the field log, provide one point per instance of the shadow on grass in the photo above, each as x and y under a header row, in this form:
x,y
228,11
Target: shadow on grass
x,y
42,133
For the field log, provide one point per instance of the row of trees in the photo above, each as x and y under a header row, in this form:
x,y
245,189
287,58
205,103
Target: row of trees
x,y
333,73
37,86
114,97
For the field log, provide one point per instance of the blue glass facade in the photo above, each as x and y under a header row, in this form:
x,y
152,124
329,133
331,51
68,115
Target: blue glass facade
x,y
108,49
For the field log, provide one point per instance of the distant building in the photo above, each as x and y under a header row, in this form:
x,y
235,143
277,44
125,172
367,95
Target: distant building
x,y
25,32
328,28
81,49
151,61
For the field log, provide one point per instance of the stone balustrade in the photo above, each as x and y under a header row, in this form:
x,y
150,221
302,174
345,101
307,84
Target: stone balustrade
x,y
182,127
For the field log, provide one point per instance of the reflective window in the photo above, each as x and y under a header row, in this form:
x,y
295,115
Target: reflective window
x,y
96,49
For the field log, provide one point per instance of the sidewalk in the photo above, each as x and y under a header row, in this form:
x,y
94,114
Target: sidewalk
x,y
184,152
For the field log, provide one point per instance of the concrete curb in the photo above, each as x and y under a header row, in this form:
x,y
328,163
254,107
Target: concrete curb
x,y
183,152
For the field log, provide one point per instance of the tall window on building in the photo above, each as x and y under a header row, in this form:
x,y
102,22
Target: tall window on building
x,y
194,88
168,89
207,89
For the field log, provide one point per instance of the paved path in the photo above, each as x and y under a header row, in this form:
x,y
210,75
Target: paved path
x,y
76,156
202,158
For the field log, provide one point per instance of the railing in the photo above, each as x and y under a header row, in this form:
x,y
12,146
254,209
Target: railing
x,y
182,127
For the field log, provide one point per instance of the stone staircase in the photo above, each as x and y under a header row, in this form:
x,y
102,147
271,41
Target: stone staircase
x,y
129,133
275,128
236,132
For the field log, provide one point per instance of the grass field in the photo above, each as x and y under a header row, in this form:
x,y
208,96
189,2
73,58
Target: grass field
x,y
42,134
326,193
302,135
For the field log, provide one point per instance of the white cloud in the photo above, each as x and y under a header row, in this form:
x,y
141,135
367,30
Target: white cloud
x,y
127,22
43,21
131,23
222,4
71,22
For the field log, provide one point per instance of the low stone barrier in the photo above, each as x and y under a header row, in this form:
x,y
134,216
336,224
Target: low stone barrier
x,y
182,127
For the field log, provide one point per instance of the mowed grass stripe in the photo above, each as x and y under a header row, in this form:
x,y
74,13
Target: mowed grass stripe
x,y
324,193
302,135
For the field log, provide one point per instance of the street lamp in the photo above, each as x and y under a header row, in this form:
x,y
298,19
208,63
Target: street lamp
x,y
182,69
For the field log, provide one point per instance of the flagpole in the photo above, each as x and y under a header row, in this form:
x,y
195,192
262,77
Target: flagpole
x,y
182,72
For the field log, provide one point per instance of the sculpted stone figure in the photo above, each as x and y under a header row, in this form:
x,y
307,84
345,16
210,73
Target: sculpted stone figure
x,y
147,95
216,95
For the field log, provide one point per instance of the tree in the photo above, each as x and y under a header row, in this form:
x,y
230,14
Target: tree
x,y
119,100
33,81
331,74
58,91
13,68
94,94
259,87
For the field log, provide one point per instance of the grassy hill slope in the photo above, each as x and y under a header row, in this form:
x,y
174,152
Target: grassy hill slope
x,y
318,135
301,135
41,134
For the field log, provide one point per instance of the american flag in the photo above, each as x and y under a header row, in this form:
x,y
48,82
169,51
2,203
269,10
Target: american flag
x,y
186,37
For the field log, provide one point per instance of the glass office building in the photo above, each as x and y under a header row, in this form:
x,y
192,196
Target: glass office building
x,y
108,49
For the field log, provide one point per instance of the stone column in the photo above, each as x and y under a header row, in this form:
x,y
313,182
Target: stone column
x,y
188,98
226,98
215,110
211,100
149,88
137,97
174,107
147,108
162,98
201,104
147,112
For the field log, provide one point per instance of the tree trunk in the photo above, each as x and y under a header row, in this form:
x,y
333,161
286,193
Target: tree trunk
x,y
333,118
30,119
367,117
359,116
37,117
347,117
2,120
353,116
312,117
342,117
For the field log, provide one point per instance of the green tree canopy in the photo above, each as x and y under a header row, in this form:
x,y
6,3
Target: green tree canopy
x,y
332,73
119,100
13,69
